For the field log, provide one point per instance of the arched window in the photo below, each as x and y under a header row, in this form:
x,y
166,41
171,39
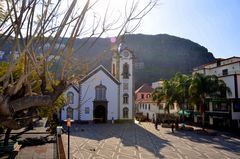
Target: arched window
x,y
125,72
70,97
100,92
125,98
69,112
125,112
148,95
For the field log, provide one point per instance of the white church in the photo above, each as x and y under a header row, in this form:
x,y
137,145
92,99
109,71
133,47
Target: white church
x,y
103,96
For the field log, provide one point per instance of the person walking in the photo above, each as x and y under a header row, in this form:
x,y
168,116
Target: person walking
x,y
156,124
172,127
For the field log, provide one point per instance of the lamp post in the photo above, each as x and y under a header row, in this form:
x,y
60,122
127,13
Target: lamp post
x,y
68,122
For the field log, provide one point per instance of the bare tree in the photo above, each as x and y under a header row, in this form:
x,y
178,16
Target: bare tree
x,y
36,29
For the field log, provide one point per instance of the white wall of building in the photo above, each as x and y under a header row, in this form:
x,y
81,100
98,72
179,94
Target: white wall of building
x,y
157,84
129,61
238,81
229,80
88,95
74,105
154,109
232,65
235,115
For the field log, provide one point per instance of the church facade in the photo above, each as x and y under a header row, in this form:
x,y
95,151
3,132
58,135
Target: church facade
x,y
102,95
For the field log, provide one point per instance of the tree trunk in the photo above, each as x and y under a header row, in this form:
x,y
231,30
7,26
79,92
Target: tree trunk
x,y
203,114
7,135
203,120
9,107
31,101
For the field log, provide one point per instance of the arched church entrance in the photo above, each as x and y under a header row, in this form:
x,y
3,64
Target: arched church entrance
x,y
100,112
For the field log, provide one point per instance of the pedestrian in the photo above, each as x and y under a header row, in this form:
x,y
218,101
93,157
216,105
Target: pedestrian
x,y
172,127
156,124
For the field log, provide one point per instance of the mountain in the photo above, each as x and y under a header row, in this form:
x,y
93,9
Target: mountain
x,y
156,56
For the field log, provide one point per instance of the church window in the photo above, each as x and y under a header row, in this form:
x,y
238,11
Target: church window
x,y
87,110
125,71
125,112
148,95
125,98
100,92
70,97
70,112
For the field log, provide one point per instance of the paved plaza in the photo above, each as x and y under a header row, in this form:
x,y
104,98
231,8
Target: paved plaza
x,y
142,141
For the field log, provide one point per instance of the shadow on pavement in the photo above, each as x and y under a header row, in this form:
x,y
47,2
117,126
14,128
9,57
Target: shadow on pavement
x,y
130,135
219,141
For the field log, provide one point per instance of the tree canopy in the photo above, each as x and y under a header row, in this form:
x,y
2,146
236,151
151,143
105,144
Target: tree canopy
x,y
191,90
43,33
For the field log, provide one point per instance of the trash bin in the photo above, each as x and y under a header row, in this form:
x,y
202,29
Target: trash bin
x,y
112,120
59,130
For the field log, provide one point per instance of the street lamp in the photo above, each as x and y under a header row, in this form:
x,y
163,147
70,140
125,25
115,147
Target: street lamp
x,y
68,122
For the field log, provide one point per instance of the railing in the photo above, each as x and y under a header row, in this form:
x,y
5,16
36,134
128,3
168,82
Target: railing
x,y
60,149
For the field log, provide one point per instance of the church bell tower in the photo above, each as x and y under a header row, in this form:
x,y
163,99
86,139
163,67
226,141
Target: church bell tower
x,y
122,69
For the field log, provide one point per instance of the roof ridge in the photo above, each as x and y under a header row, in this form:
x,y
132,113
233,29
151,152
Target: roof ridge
x,y
96,69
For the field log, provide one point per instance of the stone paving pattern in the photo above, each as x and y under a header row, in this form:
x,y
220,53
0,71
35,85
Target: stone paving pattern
x,y
142,141
46,151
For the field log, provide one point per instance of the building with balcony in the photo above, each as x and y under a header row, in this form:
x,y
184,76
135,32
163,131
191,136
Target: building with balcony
x,y
223,112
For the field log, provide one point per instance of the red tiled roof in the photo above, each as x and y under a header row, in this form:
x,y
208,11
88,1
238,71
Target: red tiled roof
x,y
145,88
148,100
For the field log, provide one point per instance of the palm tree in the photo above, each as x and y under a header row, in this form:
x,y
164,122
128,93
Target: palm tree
x,y
181,85
202,87
165,93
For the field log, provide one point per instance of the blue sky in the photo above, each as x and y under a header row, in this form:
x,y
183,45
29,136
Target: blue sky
x,y
214,24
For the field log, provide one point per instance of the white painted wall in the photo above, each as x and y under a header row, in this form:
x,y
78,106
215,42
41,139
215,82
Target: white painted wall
x,y
157,84
233,68
154,109
88,95
229,80
130,104
235,115
238,82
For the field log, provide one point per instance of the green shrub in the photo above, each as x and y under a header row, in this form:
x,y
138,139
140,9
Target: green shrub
x,y
1,129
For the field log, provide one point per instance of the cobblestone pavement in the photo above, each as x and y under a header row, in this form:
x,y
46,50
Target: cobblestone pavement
x,y
46,151
142,141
